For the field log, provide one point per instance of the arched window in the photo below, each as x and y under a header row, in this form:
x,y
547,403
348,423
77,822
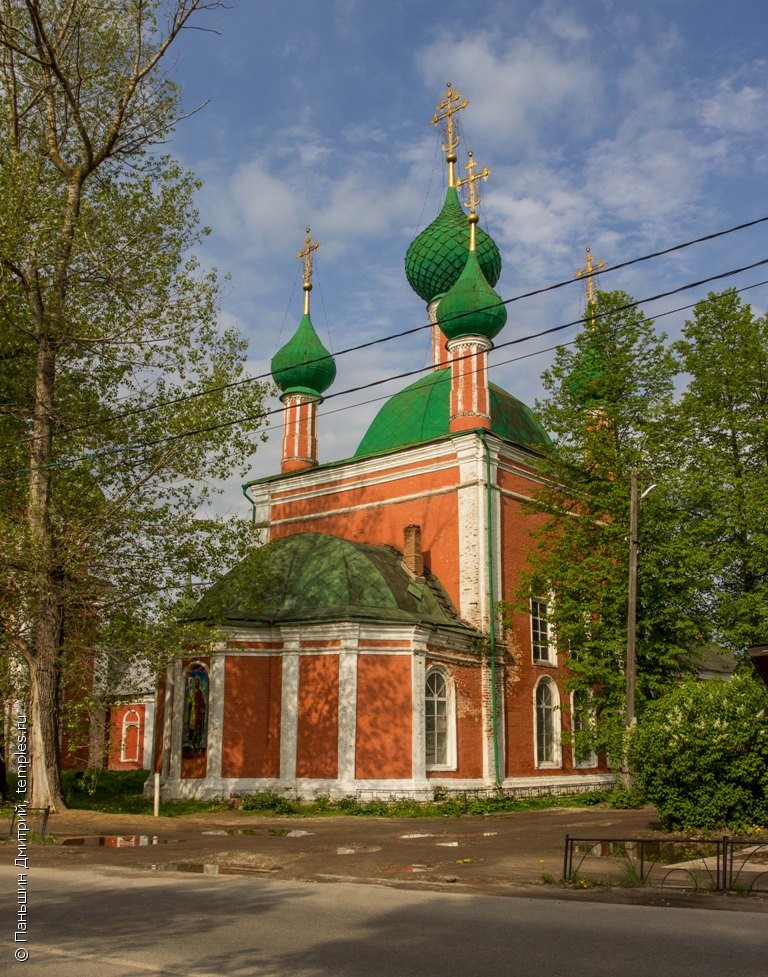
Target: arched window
x,y
130,737
582,720
440,721
547,724
195,741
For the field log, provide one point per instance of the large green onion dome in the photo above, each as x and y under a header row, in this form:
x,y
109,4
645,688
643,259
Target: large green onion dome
x,y
421,413
438,254
304,365
471,307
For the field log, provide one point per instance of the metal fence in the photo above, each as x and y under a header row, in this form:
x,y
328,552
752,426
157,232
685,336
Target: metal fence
x,y
720,864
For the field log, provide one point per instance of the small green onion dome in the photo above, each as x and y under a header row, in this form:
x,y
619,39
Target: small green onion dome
x,y
436,257
471,307
304,365
587,381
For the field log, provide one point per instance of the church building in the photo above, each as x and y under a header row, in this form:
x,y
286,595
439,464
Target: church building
x,y
360,651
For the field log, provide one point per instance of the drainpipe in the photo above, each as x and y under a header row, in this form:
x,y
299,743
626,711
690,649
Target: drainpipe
x,y
245,486
491,609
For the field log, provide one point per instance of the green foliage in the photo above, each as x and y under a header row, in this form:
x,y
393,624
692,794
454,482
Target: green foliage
x,y
700,754
123,395
723,423
608,401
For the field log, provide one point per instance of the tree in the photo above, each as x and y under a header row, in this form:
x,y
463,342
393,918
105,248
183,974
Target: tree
x,y
700,754
609,399
723,425
121,398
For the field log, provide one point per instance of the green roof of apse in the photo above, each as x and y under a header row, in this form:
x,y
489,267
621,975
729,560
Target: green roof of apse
x,y
421,413
315,577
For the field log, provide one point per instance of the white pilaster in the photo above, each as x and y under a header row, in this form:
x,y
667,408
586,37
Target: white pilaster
x,y
289,716
216,694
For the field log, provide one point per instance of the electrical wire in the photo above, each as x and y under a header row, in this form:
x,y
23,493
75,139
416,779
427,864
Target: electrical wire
x,y
260,415
409,332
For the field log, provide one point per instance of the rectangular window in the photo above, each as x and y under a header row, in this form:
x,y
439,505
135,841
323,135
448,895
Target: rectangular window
x,y
541,636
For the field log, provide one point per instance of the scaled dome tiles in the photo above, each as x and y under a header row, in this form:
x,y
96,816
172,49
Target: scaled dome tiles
x,y
438,254
317,577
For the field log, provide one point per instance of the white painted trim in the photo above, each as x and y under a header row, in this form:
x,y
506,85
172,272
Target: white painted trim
x,y
347,741
177,719
216,693
289,716
418,734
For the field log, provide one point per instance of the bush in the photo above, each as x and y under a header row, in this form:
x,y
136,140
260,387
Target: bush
x,y
700,755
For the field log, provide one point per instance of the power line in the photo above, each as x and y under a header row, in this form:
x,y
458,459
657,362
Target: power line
x,y
399,376
409,332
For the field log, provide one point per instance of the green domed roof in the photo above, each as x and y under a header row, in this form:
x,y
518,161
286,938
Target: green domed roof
x,y
471,307
436,257
316,577
304,365
421,413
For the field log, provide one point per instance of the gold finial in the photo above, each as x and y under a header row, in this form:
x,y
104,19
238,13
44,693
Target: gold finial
x,y
472,193
591,282
451,102
305,255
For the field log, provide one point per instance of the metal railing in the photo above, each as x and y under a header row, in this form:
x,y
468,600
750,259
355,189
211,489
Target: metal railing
x,y
720,864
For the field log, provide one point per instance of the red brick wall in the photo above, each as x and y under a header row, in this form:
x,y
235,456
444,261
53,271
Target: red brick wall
x,y
318,720
251,736
384,717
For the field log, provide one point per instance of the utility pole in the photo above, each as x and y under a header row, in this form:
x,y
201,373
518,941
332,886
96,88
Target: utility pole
x,y
630,666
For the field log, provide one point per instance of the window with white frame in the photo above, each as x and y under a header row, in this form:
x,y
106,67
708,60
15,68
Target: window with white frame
x,y
547,724
582,720
541,633
439,721
131,737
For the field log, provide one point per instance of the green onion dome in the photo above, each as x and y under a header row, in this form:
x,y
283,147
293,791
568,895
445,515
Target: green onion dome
x,y
304,365
471,307
587,380
436,257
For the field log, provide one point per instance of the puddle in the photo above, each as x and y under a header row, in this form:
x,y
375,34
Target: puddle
x,y
417,834
288,833
358,850
208,868
447,844
119,841
406,869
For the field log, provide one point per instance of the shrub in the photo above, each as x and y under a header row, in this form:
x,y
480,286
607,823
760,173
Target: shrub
x,y
700,755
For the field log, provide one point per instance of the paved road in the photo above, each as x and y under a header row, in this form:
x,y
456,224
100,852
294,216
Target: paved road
x,y
96,923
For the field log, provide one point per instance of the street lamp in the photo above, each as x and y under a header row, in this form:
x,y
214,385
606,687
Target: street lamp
x,y
631,663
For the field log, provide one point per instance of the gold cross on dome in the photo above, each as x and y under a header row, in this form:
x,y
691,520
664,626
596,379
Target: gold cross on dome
x,y
589,274
472,193
305,255
451,103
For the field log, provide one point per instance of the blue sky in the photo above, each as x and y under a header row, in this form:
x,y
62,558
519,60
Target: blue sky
x,y
627,127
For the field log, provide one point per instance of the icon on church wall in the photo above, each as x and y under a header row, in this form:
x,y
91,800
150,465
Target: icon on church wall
x,y
195,712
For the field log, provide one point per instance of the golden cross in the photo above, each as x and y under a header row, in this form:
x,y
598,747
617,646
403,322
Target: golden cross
x,y
306,255
472,193
589,273
451,102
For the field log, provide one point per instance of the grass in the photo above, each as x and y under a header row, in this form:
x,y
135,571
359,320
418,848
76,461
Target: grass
x,y
121,792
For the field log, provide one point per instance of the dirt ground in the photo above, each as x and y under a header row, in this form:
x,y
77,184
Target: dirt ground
x,y
519,853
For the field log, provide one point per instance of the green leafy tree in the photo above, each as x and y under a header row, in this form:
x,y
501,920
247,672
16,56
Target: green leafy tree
x,y
607,405
722,424
120,396
700,754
